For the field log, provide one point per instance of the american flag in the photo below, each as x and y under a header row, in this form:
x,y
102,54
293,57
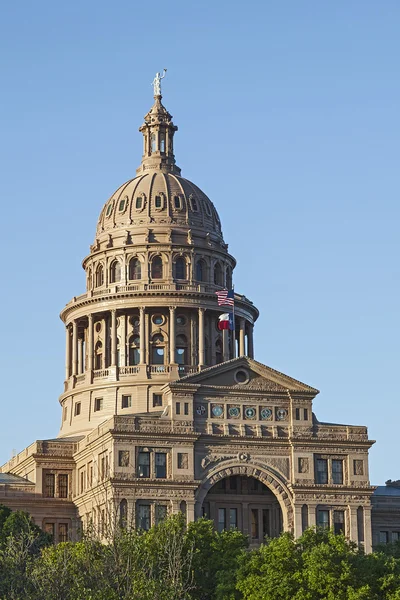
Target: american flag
x,y
225,298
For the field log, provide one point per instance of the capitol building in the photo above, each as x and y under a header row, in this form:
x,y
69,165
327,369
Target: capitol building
x,y
162,410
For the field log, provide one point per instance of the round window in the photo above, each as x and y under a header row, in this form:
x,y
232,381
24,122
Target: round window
x,y
266,413
241,376
158,319
250,412
217,410
135,322
181,320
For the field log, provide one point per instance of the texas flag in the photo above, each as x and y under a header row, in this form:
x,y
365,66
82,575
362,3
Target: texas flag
x,y
226,321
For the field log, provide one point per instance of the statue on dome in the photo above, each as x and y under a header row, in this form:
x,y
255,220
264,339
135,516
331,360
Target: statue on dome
x,y
157,83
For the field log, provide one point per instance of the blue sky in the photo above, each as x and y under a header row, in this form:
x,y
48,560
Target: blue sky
x,y
288,119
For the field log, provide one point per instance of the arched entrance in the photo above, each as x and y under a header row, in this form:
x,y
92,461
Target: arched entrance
x,y
276,494
244,503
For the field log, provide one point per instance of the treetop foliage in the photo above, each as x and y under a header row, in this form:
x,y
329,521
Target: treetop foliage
x,y
173,561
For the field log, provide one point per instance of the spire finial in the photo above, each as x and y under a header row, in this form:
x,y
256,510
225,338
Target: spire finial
x,y
157,83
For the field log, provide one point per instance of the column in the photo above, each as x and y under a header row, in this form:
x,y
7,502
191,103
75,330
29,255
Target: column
x,y
225,343
113,337
122,346
80,355
367,529
242,330
193,352
67,353
201,337
190,511
147,337
90,342
142,330
353,529
233,341
298,526
312,521
250,345
74,347
172,334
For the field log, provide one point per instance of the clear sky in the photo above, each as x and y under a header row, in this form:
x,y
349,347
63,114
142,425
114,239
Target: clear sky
x,y
288,116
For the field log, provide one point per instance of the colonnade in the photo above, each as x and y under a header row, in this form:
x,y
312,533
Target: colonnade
x,y
80,358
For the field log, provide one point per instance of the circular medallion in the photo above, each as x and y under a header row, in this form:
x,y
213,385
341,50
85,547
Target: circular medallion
x,y
250,412
201,410
234,412
217,410
281,414
266,413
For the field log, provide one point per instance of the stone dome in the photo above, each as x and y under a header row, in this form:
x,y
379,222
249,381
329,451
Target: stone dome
x,y
159,197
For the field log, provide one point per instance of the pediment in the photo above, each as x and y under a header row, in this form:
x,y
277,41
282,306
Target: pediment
x,y
259,377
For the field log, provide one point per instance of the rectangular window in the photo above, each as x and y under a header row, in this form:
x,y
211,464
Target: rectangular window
x,y
383,537
233,481
221,519
161,465
143,517
322,470
306,414
186,408
395,536
144,464
157,400
103,466
178,408
90,474
123,458
254,523
297,414
82,481
233,518
183,460
337,471
161,513
338,521
63,532
323,519
77,410
63,486
98,404
49,481
126,402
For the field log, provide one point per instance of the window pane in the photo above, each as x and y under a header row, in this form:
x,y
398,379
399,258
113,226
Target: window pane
x,y
49,485
266,528
337,471
143,521
383,537
161,513
322,470
161,465
221,519
63,532
232,518
144,464
323,519
338,521
63,486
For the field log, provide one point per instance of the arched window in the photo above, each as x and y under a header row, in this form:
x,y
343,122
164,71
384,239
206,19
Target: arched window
x,y
181,350
158,350
200,270
135,269
180,268
98,356
99,276
89,279
219,357
218,274
115,271
134,350
162,142
229,278
123,513
156,268
153,142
